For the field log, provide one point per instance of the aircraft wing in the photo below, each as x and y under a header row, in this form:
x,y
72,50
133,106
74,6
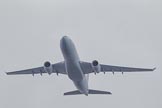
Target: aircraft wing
x,y
57,68
87,68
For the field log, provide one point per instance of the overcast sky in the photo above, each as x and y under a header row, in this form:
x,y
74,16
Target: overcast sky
x,y
116,32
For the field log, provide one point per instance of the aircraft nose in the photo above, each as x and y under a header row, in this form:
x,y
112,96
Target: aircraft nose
x,y
64,43
64,38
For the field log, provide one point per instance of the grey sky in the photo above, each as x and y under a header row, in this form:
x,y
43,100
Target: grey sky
x,y
117,32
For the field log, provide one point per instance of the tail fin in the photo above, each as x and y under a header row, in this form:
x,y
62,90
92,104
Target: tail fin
x,y
77,92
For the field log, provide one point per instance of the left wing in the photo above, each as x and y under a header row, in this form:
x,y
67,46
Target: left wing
x,y
57,68
87,68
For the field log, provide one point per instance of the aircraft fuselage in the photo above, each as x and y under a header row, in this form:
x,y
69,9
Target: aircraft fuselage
x,y
72,65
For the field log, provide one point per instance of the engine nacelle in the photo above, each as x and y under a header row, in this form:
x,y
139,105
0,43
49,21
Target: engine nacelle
x,y
96,66
48,67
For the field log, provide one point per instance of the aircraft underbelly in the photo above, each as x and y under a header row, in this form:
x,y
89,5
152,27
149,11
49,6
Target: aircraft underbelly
x,y
74,71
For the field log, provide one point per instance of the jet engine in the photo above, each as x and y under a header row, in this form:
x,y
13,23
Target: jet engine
x,y
96,66
48,67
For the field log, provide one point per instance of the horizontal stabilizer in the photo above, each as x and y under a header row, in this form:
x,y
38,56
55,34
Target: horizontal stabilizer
x,y
98,92
77,92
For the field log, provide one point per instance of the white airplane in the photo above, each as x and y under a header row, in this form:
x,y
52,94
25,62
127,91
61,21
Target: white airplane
x,y
76,69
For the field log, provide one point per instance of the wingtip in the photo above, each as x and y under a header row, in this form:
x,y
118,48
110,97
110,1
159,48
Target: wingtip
x,y
6,73
154,68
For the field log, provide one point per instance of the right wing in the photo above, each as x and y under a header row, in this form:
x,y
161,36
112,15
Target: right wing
x,y
87,68
57,68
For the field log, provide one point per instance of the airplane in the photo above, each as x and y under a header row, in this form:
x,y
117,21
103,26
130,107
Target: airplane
x,y
76,69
